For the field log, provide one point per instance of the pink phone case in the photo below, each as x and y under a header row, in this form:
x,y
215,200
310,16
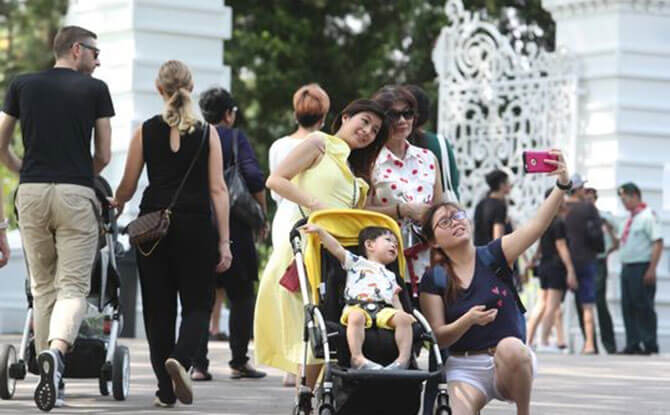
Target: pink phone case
x,y
533,162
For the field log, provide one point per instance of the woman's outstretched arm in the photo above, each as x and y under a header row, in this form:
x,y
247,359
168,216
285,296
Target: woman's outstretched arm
x,y
515,243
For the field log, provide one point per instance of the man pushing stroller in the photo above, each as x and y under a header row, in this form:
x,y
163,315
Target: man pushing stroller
x,y
58,211
371,293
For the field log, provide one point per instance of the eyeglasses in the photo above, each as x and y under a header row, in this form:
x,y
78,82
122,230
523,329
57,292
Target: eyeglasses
x,y
407,114
446,222
96,51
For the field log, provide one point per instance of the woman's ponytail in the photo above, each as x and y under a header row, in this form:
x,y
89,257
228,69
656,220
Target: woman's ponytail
x,y
175,79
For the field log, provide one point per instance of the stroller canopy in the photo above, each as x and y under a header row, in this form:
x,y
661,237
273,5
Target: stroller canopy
x,y
344,225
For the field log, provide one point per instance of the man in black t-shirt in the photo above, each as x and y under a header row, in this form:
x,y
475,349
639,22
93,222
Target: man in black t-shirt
x,y
491,221
58,109
582,216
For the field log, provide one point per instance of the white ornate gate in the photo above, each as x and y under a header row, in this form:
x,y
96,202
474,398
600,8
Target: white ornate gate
x,y
496,101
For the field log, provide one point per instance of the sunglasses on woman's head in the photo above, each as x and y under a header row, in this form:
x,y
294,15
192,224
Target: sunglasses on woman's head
x,y
445,222
407,114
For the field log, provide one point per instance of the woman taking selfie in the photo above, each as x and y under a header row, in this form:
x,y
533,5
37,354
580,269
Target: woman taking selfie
x,y
470,301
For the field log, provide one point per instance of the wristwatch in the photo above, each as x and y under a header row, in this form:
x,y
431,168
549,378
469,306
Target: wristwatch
x,y
564,187
4,224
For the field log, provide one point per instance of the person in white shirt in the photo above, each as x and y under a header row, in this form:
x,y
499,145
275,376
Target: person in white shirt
x,y
640,248
310,105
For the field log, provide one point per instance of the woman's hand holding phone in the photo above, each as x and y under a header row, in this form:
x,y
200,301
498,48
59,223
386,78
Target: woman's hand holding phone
x,y
551,162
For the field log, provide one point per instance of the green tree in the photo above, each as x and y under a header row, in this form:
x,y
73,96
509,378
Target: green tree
x,y
351,48
27,29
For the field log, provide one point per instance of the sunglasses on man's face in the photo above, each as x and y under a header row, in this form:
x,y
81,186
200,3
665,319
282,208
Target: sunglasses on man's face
x,y
407,114
445,222
96,51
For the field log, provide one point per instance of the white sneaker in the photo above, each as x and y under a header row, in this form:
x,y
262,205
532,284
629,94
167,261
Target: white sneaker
x,y
181,381
60,397
50,365
160,404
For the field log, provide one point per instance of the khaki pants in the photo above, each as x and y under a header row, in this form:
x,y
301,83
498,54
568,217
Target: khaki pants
x,y
60,231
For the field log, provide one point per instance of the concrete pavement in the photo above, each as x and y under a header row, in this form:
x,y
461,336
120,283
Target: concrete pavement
x,y
566,384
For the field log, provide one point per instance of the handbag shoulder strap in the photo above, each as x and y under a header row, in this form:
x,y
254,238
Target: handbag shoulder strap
x,y
236,145
205,134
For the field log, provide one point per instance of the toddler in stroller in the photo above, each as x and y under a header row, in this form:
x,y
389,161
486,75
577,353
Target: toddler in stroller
x,y
371,293
96,353
351,384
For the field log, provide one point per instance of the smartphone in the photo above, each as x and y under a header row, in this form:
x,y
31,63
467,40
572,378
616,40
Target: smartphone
x,y
491,304
533,162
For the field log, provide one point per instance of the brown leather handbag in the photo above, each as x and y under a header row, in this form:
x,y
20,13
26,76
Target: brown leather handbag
x,y
153,226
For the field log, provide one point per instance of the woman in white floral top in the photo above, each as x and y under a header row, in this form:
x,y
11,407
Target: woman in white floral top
x,y
405,178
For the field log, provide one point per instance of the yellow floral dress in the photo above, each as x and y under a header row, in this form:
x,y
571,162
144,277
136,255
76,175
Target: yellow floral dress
x,y
279,315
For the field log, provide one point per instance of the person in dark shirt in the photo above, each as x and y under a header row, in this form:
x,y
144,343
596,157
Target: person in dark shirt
x,y
182,263
237,282
58,110
555,272
580,216
473,308
491,221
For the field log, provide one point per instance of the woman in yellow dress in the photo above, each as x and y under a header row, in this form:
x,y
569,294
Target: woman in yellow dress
x,y
324,171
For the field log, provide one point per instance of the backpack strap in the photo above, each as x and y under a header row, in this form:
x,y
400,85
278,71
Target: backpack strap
x,y
503,272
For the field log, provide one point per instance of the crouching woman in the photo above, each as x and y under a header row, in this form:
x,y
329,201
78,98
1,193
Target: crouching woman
x,y
471,303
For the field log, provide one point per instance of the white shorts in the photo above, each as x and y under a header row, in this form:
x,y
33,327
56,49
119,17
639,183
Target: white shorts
x,y
479,371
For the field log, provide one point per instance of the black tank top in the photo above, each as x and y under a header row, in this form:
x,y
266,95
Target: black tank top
x,y
166,169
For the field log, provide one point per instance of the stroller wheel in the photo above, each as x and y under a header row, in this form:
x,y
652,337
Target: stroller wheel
x,y
442,406
326,405
304,406
7,383
104,385
121,373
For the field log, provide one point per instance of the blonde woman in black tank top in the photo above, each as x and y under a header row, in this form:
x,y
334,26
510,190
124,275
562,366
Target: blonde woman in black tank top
x,y
184,261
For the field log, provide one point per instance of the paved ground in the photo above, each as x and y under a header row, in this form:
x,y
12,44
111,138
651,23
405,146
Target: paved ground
x,y
565,385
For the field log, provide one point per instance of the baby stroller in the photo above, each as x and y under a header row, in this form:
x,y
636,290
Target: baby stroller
x,y
343,390
96,353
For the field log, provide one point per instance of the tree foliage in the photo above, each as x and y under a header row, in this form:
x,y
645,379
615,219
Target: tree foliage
x,y
351,48
27,29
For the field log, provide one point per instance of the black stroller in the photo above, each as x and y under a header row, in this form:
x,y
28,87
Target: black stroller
x,y
96,353
343,390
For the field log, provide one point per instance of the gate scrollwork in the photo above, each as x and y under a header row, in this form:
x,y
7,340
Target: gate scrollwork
x,y
495,101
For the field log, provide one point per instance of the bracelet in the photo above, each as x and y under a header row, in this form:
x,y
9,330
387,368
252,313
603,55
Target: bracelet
x,y
4,224
397,210
564,187
226,241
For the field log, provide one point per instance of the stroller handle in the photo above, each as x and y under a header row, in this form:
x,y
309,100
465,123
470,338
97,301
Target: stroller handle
x,y
295,233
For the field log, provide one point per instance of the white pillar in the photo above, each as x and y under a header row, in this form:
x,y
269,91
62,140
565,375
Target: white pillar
x,y
624,111
135,38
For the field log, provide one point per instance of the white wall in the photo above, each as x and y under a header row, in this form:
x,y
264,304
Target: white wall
x,y
625,131
135,38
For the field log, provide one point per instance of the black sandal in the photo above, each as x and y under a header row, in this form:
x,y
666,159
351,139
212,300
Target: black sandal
x,y
246,371
206,376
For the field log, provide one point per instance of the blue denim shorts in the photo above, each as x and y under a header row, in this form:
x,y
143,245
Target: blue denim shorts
x,y
586,277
